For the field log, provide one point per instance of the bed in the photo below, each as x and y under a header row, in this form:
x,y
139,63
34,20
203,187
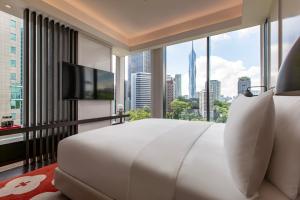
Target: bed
x,y
157,159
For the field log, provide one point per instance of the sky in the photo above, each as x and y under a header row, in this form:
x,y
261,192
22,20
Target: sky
x,y
233,55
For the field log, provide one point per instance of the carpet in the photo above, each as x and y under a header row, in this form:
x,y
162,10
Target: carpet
x,y
34,185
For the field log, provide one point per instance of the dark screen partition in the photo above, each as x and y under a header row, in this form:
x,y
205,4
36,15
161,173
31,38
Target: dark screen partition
x,y
46,45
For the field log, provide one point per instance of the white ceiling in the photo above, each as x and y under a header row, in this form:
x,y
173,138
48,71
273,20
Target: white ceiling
x,y
133,18
139,24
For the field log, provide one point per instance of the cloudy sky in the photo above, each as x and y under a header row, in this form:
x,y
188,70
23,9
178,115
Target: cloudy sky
x,y
233,55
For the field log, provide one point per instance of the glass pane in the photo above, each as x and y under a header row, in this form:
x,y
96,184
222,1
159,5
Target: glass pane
x,y
274,44
290,25
186,75
11,70
138,85
13,36
235,66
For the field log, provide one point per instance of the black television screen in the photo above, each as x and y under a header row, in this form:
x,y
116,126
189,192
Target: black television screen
x,y
81,82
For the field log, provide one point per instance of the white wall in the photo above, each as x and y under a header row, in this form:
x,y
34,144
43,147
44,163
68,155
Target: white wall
x,y
92,53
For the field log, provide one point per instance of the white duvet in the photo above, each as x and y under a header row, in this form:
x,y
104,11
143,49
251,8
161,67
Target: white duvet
x,y
153,159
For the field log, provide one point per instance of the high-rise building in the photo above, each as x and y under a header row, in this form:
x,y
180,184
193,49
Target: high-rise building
x,y
214,94
138,62
178,85
192,73
140,90
243,84
171,85
11,64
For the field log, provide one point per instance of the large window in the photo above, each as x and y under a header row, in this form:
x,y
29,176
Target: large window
x,y
138,85
11,67
185,82
234,66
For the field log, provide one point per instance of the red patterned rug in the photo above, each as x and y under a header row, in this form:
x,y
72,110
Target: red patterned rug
x,y
35,185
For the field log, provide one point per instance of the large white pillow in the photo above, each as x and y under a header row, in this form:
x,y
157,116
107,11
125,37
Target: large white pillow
x,y
248,140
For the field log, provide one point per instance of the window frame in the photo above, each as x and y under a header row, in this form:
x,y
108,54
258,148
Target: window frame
x,y
264,56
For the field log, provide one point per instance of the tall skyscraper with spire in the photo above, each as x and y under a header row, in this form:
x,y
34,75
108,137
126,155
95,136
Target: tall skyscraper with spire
x,y
192,73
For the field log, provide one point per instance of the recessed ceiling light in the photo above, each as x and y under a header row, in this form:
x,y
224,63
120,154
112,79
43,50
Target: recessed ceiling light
x,y
8,6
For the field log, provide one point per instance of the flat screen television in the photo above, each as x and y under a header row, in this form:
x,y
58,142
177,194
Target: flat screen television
x,y
81,82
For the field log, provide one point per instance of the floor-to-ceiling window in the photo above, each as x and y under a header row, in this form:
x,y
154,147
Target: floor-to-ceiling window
x,y
185,80
234,67
11,70
138,85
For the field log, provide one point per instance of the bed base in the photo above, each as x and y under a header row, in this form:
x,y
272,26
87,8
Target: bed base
x,y
75,189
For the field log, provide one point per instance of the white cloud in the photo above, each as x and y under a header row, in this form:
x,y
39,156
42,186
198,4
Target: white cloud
x,y
246,32
225,71
224,36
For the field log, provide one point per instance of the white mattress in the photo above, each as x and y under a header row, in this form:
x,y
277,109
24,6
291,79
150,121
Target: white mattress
x,y
171,159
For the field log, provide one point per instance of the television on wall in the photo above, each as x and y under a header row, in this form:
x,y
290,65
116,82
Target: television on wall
x,y
80,82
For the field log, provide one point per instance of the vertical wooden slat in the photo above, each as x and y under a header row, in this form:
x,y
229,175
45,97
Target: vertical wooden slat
x,y
76,62
63,53
40,81
51,81
68,103
46,63
26,81
33,82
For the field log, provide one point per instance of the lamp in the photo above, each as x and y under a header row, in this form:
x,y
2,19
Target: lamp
x,y
248,92
288,83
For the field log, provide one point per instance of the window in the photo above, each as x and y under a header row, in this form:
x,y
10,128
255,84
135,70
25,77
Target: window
x,y
185,82
12,63
12,23
274,57
12,50
14,116
11,68
138,85
15,104
234,66
13,36
13,76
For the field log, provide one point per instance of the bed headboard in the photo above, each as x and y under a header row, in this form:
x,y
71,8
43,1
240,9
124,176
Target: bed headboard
x,y
284,167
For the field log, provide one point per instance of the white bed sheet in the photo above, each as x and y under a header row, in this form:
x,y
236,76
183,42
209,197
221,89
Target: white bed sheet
x,y
103,160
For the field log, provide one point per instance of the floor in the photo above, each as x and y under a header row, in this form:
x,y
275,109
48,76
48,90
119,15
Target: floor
x,y
35,185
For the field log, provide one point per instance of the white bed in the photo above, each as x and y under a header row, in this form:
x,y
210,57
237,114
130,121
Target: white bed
x,y
155,159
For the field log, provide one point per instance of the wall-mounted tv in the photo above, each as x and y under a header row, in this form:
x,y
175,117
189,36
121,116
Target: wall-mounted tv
x,y
81,82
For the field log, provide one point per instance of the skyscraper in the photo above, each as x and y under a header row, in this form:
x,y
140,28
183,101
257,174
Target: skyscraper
x,y
171,85
243,84
214,94
192,73
177,85
11,40
138,62
140,90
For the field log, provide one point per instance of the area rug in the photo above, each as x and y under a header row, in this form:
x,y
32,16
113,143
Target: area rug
x,y
35,185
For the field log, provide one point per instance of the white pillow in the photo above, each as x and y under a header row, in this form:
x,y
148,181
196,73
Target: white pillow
x,y
248,140
284,168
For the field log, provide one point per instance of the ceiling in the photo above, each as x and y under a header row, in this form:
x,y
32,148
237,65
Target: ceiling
x,y
139,24
133,18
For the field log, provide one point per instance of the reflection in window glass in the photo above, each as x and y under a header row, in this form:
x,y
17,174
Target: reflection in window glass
x,y
235,66
13,76
138,85
185,82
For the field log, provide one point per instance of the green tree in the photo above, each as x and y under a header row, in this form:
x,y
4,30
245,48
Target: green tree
x,y
221,109
138,114
178,106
